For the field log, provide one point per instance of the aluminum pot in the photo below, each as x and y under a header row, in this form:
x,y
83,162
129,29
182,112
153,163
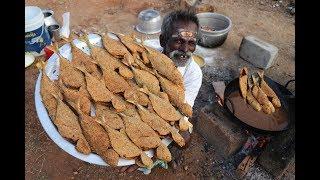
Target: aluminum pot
x,y
48,17
150,22
214,29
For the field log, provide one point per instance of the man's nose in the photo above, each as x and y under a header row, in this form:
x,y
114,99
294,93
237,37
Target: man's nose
x,y
184,47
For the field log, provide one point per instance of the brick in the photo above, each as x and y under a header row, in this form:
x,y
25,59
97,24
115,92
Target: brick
x,y
258,52
214,125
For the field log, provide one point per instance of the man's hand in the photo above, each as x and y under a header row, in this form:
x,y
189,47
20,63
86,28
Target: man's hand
x,y
133,167
186,136
129,169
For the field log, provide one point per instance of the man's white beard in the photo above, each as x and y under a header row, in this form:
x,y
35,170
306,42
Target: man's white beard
x,y
179,62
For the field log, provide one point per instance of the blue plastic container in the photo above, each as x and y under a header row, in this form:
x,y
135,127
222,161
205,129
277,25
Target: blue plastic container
x,y
36,34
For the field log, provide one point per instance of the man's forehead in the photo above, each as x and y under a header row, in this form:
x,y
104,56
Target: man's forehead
x,y
184,33
185,30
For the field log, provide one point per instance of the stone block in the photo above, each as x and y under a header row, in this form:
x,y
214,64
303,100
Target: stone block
x,y
215,126
258,52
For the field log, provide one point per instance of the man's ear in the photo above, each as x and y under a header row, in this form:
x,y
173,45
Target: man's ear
x,y
162,41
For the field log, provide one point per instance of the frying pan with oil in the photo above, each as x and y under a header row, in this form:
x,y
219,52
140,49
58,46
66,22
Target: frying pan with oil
x,y
254,120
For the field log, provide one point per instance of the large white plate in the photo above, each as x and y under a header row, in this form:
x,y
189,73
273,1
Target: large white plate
x,y
52,70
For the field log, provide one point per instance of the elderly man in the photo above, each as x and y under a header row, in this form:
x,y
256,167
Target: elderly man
x,y
178,41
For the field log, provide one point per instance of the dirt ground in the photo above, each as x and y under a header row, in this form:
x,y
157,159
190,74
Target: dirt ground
x,y
45,160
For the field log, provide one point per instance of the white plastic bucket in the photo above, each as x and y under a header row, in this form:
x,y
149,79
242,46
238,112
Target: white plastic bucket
x,y
36,34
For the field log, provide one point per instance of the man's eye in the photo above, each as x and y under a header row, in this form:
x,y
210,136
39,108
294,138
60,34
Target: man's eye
x,y
192,43
178,41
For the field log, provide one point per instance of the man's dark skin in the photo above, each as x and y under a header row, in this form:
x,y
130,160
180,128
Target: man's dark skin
x,y
184,44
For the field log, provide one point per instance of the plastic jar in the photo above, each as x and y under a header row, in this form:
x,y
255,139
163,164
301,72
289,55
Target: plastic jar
x,y
36,34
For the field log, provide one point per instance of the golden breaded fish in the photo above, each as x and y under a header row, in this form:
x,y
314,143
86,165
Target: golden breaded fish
x,y
176,95
165,66
114,47
122,144
69,127
114,82
146,160
95,134
108,117
79,58
69,74
111,157
144,78
243,82
129,42
163,153
162,107
269,92
140,133
48,88
154,121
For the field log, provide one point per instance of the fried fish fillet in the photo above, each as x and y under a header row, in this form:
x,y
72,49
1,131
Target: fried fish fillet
x,y
120,104
133,113
186,109
145,57
96,88
79,58
69,74
114,47
175,92
164,96
133,95
111,157
125,72
68,126
136,96
129,42
144,78
253,102
269,92
165,66
84,91
128,59
184,124
122,144
262,98
48,88
243,82
250,98
177,137
73,95
163,153
140,133
114,82
138,62
106,60
154,121
268,108
109,117
85,104
176,95
162,107
146,160
96,135
68,93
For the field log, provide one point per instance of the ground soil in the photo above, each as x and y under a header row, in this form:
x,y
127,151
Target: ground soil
x,y
262,18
